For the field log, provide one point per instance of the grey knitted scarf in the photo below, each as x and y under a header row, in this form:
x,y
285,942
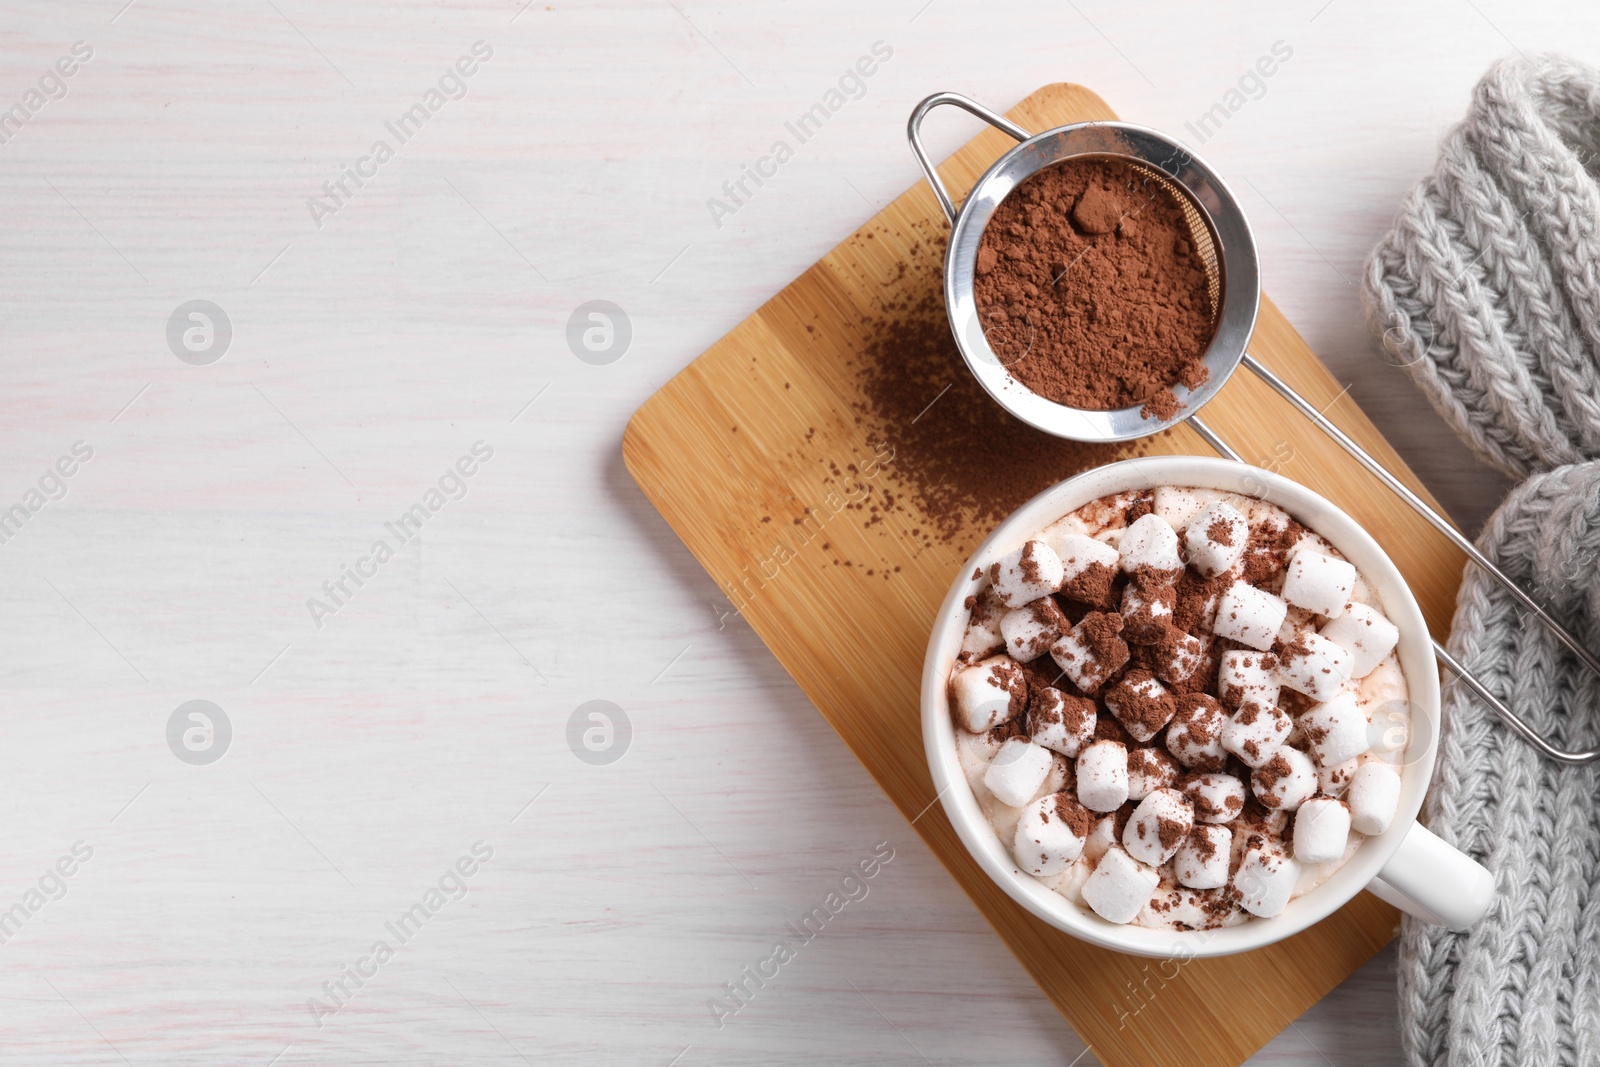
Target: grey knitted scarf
x,y
1488,292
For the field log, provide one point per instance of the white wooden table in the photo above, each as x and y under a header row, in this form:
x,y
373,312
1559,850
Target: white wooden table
x,y
374,340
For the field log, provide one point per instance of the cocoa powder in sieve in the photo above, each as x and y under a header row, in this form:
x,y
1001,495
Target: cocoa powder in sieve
x,y
1091,291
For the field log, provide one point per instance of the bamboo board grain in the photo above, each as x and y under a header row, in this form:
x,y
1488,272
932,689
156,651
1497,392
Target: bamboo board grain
x,y
736,442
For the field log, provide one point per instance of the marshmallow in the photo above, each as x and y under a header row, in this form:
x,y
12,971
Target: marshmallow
x,y
1158,827
1262,822
1286,781
1060,776
1030,630
1025,574
1313,665
1092,651
983,627
1295,620
1180,504
1255,733
1177,656
1103,776
1335,780
1202,861
1151,542
1120,887
1141,704
1101,838
1017,771
1373,796
1194,737
1265,516
1216,798
1088,567
988,693
1050,835
1265,882
1149,769
1366,634
1060,722
1336,730
1078,551
1216,539
1318,583
1321,830
1069,525
1249,615
1246,676
1147,610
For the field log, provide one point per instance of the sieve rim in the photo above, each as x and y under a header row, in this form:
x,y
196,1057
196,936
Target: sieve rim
x,y
1238,271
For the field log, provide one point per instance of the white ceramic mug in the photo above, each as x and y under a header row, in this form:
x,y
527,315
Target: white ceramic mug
x,y
1407,865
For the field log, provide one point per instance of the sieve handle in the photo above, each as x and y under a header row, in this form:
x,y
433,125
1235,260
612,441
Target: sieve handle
x,y
914,135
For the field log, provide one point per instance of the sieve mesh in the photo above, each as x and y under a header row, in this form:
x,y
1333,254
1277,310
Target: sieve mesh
x,y
1199,226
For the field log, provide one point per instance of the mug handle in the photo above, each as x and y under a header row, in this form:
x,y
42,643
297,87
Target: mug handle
x,y
1435,882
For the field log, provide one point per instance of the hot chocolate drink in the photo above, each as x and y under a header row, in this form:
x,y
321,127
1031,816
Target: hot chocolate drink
x,y
1174,707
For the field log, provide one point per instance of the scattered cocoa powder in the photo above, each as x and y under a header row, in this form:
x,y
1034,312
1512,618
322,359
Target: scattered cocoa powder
x,y
962,460
1295,649
1043,673
1147,604
1197,713
1090,289
1137,507
1268,776
1050,706
1102,632
1153,764
1107,728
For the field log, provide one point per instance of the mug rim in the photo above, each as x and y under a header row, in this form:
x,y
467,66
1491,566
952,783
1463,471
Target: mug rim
x,y
1318,515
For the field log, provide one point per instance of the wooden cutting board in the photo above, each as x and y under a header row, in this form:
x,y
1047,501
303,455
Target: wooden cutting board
x,y
761,439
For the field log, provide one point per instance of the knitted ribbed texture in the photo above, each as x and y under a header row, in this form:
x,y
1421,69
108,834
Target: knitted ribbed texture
x,y
1522,987
1487,290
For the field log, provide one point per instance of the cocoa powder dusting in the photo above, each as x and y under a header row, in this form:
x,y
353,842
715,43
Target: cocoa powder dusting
x,y
1077,817
1090,290
1171,831
1092,586
1195,598
1203,846
1268,554
1132,703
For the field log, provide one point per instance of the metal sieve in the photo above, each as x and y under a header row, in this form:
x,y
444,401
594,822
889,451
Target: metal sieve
x,y
1222,239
